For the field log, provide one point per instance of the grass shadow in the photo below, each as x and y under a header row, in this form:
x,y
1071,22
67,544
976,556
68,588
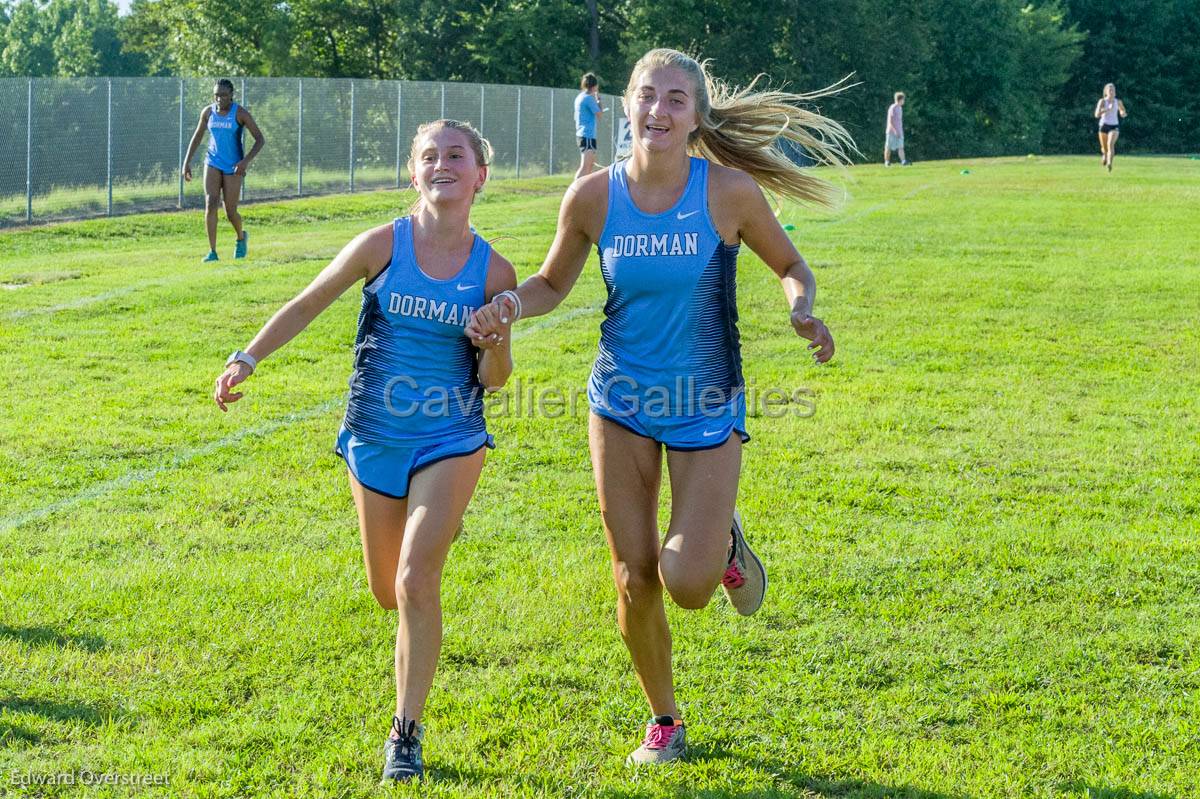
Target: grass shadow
x,y
13,733
61,712
46,636
56,711
790,783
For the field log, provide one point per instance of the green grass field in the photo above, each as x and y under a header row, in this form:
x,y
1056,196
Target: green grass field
x,y
983,546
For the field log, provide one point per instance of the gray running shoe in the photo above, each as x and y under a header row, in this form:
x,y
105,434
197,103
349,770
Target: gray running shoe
x,y
402,753
745,580
665,741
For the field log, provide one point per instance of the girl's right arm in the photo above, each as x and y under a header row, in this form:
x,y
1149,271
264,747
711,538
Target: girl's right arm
x,y
186,166
361,259
1099,108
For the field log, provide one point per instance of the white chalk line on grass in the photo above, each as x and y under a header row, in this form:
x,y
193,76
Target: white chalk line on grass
x,y
111,294
182,458
873,208
82,302
185,457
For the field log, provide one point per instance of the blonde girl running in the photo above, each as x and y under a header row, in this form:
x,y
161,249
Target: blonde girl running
x,y
668,225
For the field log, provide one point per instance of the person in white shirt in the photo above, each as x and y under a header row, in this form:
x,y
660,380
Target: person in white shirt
x,y
1109,111
894,132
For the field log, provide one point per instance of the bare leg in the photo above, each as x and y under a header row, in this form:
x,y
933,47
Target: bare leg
x,y
1104,148
628,470
212,202
381,523
695,553
1112,147
587,163
902,158
887,156
232,191
405,543
438,497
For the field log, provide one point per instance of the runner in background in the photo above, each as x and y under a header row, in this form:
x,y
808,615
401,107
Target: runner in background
x,y
225,163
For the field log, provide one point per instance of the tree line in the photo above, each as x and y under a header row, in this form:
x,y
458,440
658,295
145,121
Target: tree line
x,y
983,77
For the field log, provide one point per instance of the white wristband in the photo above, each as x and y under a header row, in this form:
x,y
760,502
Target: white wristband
x,y
516,301
242,357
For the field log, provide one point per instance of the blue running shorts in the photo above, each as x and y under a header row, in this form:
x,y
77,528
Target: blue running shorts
x,y
690,432
387,469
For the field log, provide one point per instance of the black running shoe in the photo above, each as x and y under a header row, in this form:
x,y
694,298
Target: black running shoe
x,y
402,753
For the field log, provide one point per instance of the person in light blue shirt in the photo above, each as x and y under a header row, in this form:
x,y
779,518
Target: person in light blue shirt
x,y
225,162
587,115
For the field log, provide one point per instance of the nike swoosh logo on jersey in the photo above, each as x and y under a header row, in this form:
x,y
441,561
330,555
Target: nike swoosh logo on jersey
x,y
682,216
461,287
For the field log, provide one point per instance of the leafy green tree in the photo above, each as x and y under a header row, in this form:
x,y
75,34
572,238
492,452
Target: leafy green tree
x,y
992,69
1151,50
147,38
979,73
64,38
213,37
4,20
528,41
350,38
982,76
742,37
28,42
885,48
86,40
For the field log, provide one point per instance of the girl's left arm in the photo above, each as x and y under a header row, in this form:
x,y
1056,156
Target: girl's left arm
x,y
758,227
495,350
259,139
1121,108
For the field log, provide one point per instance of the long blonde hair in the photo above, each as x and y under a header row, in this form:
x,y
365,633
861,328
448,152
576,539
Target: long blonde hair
x,y
740,128
480,146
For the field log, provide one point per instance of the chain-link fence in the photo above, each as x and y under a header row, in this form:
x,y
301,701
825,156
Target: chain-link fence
x,y
72,148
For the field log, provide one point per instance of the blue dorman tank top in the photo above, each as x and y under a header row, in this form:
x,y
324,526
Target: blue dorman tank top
x,y
224,139
415,380
670,326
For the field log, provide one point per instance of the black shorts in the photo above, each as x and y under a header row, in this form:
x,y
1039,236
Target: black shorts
x,y
1109,128
586,144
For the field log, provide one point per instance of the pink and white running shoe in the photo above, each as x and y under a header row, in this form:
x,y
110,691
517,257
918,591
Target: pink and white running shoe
x,y
745,580
665,741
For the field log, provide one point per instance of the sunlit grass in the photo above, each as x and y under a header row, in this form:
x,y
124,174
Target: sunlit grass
x,y
982,546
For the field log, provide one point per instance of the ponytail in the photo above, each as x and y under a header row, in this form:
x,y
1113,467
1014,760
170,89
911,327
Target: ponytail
x,y
741,128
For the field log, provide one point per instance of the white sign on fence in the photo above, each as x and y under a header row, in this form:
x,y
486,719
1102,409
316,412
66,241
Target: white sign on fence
x,y
624,138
